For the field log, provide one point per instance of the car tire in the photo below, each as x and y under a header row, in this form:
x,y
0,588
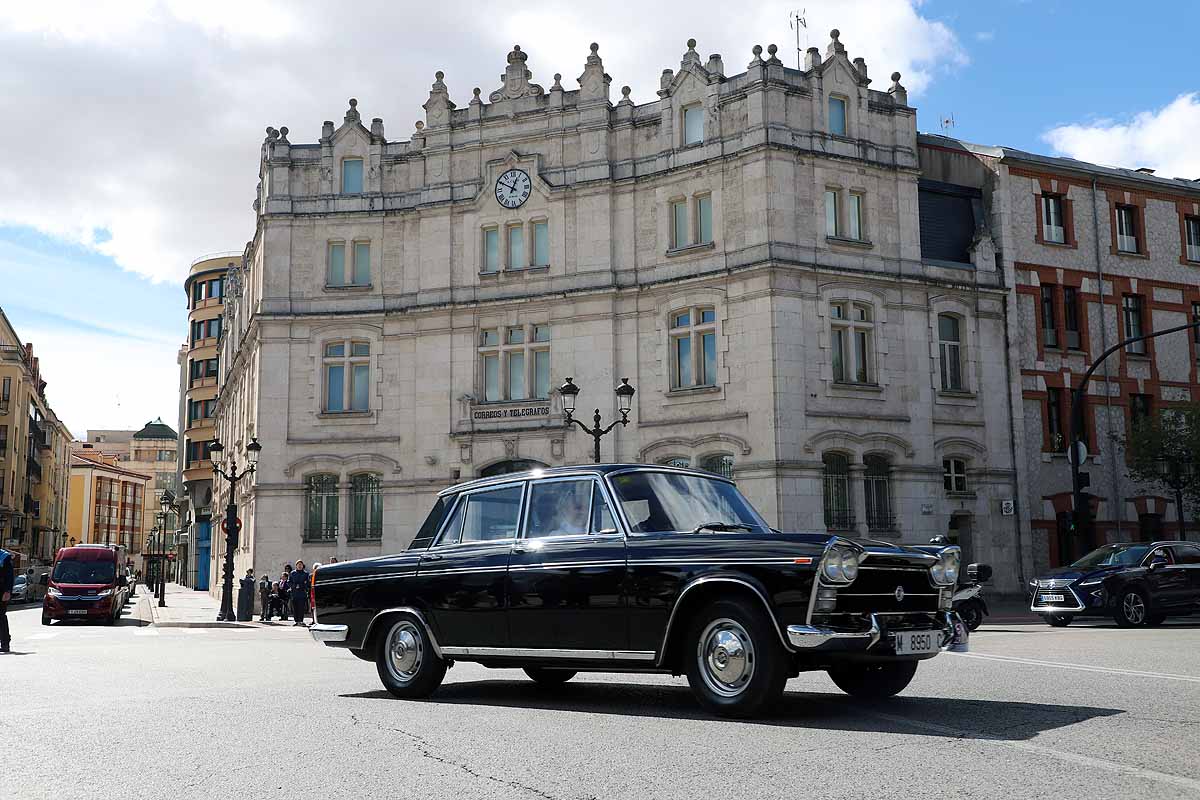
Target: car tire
x,y
734,660
972,615
404,657
45,619
874,681
549,678
1133,609
364,654
1058,620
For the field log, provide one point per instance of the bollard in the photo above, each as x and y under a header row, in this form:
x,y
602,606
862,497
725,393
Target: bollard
x,y
245,600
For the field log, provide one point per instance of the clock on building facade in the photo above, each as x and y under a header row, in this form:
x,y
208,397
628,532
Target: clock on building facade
x,y
512,188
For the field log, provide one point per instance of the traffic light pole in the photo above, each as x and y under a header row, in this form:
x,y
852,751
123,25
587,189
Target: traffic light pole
x,y
1079,480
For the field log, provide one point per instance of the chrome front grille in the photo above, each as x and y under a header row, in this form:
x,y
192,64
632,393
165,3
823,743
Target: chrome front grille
x,y
1055,583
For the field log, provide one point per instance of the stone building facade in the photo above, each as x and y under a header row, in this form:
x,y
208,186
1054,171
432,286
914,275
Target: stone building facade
x,y
746,248
1096,254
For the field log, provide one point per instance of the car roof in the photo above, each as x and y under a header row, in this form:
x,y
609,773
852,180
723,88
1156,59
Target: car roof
x,y
578,469
1144,544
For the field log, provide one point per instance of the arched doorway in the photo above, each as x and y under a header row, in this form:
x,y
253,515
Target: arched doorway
x,y
513,465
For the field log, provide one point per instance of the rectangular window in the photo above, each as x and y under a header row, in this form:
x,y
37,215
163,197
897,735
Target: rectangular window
x,y
862,356
335,387
214,328
197,291
516,376
541,333
541,244
516,247
1192,228
837,116
362,263
491,250
1139,408
831,213
1049,326
210,368
491,378
854,217
1127,233
693,125
1054,420
1071,316
359,393
704,219
541,374
837,344
1052,219
708,362
679,225
337,264
683,362
352,176
216,288
1132,308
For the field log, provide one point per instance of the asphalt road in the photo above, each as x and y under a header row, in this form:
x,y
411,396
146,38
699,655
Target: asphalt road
x,y
262,711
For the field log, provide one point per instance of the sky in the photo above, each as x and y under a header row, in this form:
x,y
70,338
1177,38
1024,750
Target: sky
x,y
131,129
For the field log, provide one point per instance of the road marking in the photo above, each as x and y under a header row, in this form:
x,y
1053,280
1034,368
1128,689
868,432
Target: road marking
x,y
147,631
38,636
1050,752
1083,667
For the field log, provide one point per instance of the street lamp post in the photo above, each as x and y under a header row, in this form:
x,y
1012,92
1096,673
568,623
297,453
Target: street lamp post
x,y
167,504
624,393
151,544
232,524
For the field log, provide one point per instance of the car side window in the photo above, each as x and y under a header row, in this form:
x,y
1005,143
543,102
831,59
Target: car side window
x,y
559,508
1187,554
602,517
452,532
1161,554
492,515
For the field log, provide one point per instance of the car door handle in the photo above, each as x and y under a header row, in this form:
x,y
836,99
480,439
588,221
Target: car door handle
x,y
433,557
520,548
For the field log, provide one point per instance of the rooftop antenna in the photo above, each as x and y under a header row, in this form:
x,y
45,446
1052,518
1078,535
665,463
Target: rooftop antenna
x,y
947,123
796,21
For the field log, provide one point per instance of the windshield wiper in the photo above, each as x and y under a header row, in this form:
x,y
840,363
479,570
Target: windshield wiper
x,y
721,526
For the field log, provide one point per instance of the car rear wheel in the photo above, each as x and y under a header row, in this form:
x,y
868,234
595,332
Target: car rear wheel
x,y
549,677
1058,620
874,681
734,661
404,657
1132,608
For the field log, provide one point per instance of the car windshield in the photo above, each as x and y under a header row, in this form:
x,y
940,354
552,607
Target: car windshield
x,y
69,571
1122,555
665,501
19,580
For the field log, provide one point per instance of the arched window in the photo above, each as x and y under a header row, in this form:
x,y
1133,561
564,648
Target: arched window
x,y
366,507
950,348
838,515
852,341
877,483
320,508
720,464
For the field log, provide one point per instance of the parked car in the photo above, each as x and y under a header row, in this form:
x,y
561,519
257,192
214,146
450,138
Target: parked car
x,y
22,592
613,568
86,582
1136,583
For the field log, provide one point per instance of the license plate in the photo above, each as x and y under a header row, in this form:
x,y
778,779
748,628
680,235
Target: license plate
x,y
1053,598
913,642
77,611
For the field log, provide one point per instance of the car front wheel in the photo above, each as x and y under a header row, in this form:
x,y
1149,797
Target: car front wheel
x,y
549,677
874,681
1132,609
407,665
734,661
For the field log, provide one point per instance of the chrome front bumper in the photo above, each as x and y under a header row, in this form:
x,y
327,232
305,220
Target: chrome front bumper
x,y
807,638
329,633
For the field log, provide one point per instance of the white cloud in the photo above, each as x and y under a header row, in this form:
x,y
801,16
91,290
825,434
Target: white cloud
x,y
1162,139
143,118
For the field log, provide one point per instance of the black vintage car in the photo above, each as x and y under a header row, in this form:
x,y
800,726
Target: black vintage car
x,y
1137,584
613,568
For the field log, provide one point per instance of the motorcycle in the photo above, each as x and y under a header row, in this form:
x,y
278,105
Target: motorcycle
x,y
968,600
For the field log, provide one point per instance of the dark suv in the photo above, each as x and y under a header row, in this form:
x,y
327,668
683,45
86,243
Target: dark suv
x,y
1138,584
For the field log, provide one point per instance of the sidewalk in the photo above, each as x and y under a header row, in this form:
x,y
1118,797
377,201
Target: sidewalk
x,y
185,608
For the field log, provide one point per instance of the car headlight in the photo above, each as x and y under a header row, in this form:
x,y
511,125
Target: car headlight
x,y
945,571
104,593
840,565
54,592
1092,582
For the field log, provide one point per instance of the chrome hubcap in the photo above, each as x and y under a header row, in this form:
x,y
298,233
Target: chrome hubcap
x,y
404,651
1135,609
726,655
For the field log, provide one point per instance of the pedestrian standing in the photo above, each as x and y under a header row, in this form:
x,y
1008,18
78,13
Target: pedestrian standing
x,y
298,586
264,598
7,578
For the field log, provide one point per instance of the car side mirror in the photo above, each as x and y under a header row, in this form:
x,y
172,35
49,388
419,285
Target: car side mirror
x,y
44,580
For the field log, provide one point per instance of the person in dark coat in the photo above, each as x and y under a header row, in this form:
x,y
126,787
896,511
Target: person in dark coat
x,y
264,597
298,588
7,578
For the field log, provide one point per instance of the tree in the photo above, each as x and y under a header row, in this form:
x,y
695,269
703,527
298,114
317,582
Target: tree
x,y
1164,450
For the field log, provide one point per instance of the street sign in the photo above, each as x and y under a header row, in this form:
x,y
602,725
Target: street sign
x,y
1007,507
1077,453
237,525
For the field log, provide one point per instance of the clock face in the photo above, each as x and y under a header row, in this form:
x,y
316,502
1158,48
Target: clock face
x,y
512,188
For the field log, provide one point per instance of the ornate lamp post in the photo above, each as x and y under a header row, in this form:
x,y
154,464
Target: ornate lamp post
x,y
160,585
624,393
232,525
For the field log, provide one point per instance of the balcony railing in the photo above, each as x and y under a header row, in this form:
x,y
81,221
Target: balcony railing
x,y
320,533
879,522
838,520
365,533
